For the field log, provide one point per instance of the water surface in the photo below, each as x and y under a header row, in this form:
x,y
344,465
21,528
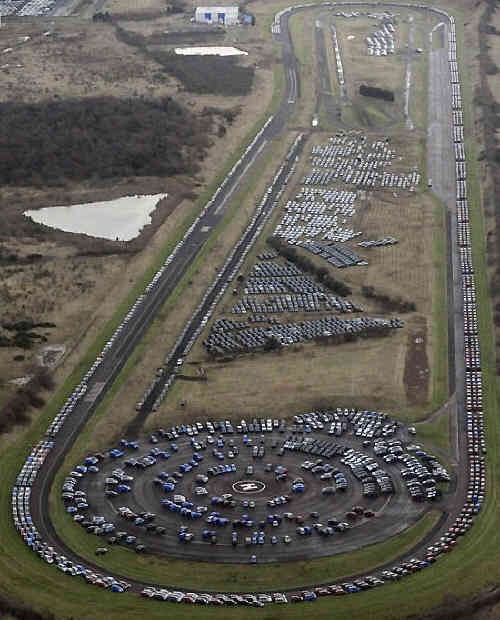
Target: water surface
x,y
121,219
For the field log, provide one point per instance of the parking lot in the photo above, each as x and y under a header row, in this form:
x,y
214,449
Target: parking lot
x,y
257,491
23,8
326,214
276,299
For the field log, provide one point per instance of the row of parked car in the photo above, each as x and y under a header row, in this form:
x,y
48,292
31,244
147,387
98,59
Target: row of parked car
x,y
334,253
378,243
474,422
229,271
269,285
285,334
292,303
338,57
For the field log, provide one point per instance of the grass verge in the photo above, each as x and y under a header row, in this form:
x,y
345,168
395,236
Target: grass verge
x,y
439,312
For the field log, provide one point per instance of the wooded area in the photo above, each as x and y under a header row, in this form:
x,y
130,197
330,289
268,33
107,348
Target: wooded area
x,y
102,138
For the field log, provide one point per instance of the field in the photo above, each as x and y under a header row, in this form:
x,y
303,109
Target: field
x,y
302,32
383,72
306,376
449,586
76,61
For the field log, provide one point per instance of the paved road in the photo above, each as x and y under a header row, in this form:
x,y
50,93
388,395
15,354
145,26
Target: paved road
x,y
439,161
441,169
325,98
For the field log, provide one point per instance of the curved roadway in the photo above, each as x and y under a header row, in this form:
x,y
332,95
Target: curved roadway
x,y
119,353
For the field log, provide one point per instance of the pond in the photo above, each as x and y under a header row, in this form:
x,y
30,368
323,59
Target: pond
x,y
121,219
210,51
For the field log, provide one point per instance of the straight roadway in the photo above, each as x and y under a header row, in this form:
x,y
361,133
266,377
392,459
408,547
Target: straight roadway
x,y
441,173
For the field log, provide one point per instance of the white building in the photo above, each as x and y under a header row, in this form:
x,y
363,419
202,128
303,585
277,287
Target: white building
x,y
227,15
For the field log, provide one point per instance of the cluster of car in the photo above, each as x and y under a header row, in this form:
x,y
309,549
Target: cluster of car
x,y
373,478
318,211
271,285
327,472
290,303
323,212
329,327
25,8
36,7
183,507
363,423
11,7
335,254
381,42
353,159
265,285
378,243
21,492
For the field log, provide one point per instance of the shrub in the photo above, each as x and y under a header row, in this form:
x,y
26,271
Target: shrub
x,y
378,93
306,264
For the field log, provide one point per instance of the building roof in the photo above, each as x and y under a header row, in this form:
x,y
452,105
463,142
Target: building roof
x,y
217,9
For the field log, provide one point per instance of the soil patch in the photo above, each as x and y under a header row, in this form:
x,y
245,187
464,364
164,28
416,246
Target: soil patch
x,y
416,374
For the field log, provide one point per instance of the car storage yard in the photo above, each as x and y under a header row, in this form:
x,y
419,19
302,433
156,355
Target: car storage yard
x,y
262,491
372,192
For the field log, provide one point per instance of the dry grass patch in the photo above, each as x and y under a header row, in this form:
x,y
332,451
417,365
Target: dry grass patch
x,y
76,291
78,59
302,27
296,379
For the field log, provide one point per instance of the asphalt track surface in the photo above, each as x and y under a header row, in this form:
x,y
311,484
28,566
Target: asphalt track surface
x,y
440,166
325,97
394,513
439,111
